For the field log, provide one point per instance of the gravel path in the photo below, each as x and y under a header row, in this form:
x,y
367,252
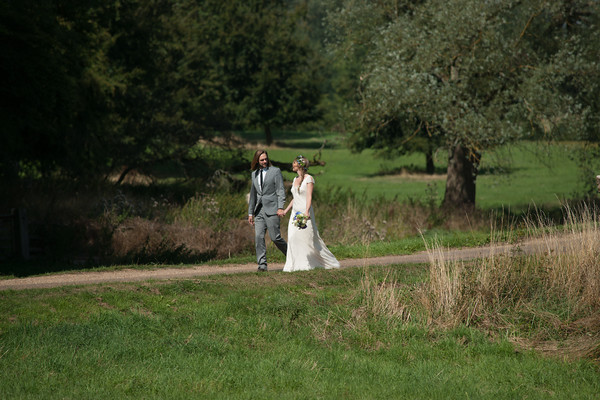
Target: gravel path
x,y
131,275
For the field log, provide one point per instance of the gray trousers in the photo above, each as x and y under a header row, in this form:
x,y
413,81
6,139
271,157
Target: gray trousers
x,y
262,223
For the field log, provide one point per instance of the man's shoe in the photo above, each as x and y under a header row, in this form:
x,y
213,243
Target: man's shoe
x,y
262,269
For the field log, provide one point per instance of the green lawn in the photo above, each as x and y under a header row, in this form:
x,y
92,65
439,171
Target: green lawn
x,y
271,336
287,336
514,178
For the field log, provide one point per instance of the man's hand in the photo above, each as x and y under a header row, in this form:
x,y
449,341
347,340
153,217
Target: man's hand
x,y
280,212
251,219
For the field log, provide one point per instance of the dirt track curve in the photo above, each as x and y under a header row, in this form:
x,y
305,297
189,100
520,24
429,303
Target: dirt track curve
x,y
131,275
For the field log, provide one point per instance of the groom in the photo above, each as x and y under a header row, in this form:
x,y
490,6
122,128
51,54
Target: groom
x,y
265,208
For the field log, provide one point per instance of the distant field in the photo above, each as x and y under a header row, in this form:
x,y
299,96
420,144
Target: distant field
x,y
515,177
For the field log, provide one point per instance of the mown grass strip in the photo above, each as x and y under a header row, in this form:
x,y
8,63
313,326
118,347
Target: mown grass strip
x,y
279,335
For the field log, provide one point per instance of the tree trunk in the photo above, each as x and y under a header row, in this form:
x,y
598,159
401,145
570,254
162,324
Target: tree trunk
x,y
124,174
460,184
268,135
430,167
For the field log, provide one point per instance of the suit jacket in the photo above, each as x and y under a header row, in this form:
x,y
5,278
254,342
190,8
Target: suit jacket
x,y
271,196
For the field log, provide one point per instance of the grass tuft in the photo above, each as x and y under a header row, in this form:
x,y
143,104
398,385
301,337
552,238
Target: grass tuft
x,y
382,299
552,296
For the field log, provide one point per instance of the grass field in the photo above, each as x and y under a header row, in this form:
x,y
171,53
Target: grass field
x,y
516,177
306,335
357,333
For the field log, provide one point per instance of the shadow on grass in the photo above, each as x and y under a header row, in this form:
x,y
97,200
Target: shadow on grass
x,y
23,268
441,170
293,139
299,144
408,169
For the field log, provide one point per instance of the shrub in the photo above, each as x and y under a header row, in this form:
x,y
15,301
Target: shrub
x,y
211,210
347,218
138,240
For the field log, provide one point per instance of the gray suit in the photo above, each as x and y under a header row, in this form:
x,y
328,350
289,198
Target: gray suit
x,y
263,204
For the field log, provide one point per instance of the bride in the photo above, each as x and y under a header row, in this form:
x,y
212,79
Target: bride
x,y
306,250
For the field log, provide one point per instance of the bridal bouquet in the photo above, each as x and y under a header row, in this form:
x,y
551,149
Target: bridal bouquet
x,y
300,220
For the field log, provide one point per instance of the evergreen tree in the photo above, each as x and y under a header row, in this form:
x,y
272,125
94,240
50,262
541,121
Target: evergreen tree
x,y
53,102
93,87
269,74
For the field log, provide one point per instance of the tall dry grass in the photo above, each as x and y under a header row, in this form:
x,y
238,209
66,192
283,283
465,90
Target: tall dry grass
x,y
382,298
575,269
547,287
377,304
139,241
348,218
206,226
543,292
138,224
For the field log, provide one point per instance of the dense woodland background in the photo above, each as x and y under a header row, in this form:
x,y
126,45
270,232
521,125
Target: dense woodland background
x,y
95,91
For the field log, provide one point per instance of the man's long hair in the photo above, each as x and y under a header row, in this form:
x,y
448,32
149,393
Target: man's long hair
x,y
254,166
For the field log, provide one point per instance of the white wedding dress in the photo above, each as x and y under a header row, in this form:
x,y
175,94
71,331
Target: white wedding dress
x,y
306,250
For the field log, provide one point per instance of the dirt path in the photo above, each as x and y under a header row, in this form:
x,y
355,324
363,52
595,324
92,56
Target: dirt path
x,y
131,275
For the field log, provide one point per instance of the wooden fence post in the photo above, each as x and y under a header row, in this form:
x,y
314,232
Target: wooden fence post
x,y
21,233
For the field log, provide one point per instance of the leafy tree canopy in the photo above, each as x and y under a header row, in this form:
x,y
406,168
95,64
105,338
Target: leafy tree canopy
x,y
90,87
270,71
476,74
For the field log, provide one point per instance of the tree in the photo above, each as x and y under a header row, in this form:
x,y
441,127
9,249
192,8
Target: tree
x,y
478,73
159,109
53,106
269,73
92,87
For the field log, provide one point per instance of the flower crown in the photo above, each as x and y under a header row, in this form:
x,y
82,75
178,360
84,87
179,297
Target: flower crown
x,y
301,163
